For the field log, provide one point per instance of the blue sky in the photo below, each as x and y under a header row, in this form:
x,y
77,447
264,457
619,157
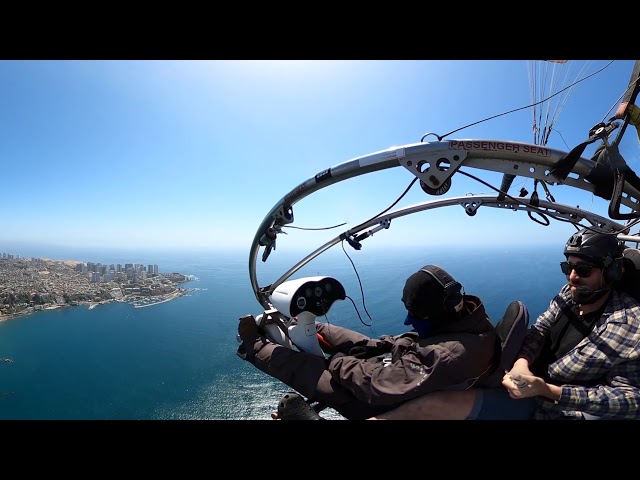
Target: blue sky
x,y
193,154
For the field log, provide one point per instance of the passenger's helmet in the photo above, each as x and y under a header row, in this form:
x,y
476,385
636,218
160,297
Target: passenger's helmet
x,y
598,247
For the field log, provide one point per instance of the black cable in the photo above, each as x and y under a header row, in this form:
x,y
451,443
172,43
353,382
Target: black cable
x,y
390,206
521,108
319,228
541,212
364,305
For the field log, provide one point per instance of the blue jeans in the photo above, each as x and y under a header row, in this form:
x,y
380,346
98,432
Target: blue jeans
x,y
496,404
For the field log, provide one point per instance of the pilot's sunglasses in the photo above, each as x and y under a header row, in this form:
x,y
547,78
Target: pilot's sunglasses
x,y
582,269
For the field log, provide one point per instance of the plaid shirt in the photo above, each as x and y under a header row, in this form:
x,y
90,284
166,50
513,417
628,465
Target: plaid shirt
x,y
608,359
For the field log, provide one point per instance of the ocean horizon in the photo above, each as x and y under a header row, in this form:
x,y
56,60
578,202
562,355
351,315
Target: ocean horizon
x,y
177,360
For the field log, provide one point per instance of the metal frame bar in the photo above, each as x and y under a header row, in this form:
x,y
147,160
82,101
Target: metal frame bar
x,y
434,163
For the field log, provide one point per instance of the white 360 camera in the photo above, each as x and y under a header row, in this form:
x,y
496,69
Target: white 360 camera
x,y
306,298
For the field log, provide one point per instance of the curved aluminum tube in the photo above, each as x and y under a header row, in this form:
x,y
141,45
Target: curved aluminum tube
x,y
545,207
434,164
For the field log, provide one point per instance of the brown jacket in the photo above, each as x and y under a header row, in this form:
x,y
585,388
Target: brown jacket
x,y
455,356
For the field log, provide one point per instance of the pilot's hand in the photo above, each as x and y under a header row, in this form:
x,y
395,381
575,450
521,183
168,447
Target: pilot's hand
x,y
248,328
524,386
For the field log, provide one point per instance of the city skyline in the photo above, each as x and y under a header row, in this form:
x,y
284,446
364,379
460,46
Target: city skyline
x,y
87,264
29,285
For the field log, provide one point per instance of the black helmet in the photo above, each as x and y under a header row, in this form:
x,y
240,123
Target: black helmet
x,y
598,247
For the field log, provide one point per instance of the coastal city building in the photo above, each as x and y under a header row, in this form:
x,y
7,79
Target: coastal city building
x,y
28,285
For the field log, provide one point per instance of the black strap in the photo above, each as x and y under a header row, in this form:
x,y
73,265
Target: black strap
x,y
616,196
608,176
566,164
567,331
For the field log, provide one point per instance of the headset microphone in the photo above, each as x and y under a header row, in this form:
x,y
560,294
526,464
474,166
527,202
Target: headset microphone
x,y
585,295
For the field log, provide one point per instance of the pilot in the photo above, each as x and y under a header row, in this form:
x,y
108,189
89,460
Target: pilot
x,y
451,345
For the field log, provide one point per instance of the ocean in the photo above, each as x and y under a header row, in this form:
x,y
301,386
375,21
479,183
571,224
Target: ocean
x,y
177,360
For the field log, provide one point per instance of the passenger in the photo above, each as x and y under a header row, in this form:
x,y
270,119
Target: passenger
x,y
580,360
451,346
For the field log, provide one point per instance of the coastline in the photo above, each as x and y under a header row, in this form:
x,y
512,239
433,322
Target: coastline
x,y
91,305
60,284
4,318
169,297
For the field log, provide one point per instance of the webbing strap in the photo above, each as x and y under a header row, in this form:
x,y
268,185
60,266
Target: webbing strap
x,y
566,164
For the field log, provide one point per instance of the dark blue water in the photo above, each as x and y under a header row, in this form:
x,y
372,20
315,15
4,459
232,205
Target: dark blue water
x,y
177,360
